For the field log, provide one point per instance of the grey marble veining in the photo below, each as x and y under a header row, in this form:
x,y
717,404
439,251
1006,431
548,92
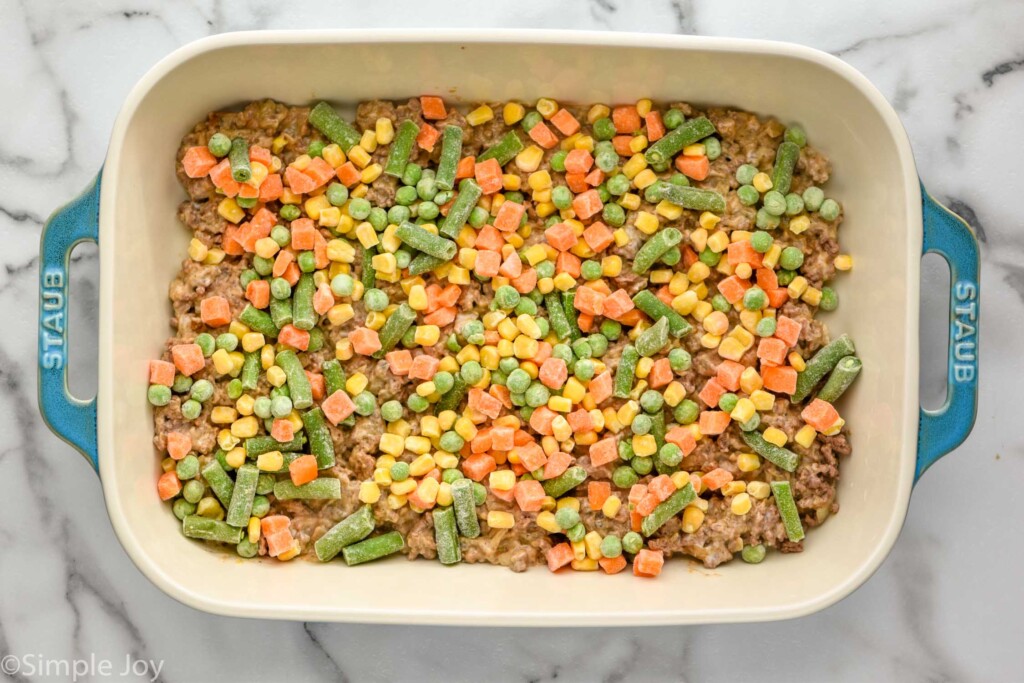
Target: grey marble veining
x,y
945,606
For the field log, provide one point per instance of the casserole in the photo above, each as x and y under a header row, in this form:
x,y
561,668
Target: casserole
x,y
131,213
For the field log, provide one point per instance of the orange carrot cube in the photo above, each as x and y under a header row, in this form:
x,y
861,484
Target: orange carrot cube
x,y
558,556
600,387
713,422
543,136
529,495
188,358
161,372
578,161
198,161
293,337
820,414
604,451
337,406
648,563
168,485
598,237
553,373
178,444
565,122
781,380
433,107
587,204
365,341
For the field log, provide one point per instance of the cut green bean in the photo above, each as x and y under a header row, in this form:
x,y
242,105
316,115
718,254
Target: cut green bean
x,y
464,503
569,305
662,151
785,163
658,429
334,375
453,397
565,482
320,443
782,458
303,315
373,548
207,529
281,312
556,315
256,446
258,321
842,377
653,339
626,372
337,130
421,239
451,151
667,509
243,495
298,383
822,363
401,148
458,214
324,488
647,302
238,157
250,374
654,248
352,529
423,263
368,274
693,198
395,327
787,510
219,481
505,150
446,536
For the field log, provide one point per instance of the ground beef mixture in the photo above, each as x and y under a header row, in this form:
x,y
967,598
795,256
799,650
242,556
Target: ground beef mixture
x,y
563,161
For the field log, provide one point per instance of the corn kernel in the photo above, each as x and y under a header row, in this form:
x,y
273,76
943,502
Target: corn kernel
x,y
759,489
644,445
404,487
235,457
762,182
546,521
245,427
611,506
744,411
369,492
512,113
776,436
546,107
740,504
270,462
843,262
222,415
229,210
502,480
762,400
427,335
497,519
805,436
799,224
693,518
797,361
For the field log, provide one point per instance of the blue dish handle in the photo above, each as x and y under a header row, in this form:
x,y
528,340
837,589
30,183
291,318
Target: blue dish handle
x,y
943,429
70,418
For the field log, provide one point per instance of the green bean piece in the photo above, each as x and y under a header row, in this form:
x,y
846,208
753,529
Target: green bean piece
x,y
777,455
626,372
653,339
206,529
243,495
822,363
785,163
281,312
368,274
658,428
298,383
352,529
256,446
334,375
238,156
667,509
451,151
326,120
421,239
556,315
395,327
251,367
647,302
663,150
446,536
568,299
464,504
565,482
787,510
320,443
693,198
220,483
373,548
505,150
458,214
258,321
422,263
324,488
303,315
842,377
454,396
654,248
401,148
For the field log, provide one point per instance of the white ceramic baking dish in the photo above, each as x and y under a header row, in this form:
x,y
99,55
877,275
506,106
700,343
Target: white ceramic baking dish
x,y
141,245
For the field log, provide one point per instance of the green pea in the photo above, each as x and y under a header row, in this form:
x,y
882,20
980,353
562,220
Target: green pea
x,y
412,174
235,389
207,344
642,465
182,383
337,194
813,198
248,275
584,369
679,360
796,135
187,467
652,401
720,303
829,210
751,424
774,203
365,403
611,329
765,327
624,477
545,269
581,349
557,161
316,148
765,220
829,299
280,289
761,241
378,218
753,554
451,476
625,449
673,118
359,208
342,284
479,493
263,266
672,256
219,145
755,299
375,299
281,235
261,407
417,403
158,395
670,455
686,412
399,471
265,483
606,160
679,179
576,533
444,381
201,390
614,215
281,406
428,210
507,365
472,372
791,258
182,508
794,204
632,542
518,381
748,195
191,409
728,402
785,277
641,424
193,491
604,129
567,518
398,214
451,441
478,217
227,341
598,344
618,184
745,174
710,258
506,297
712,148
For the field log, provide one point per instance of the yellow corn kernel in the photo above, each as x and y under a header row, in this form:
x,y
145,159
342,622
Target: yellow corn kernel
x,y
339,314
253,341
741,504
611,507
763,400
427,490
762,182
731,349
420,445
270,462
314,205
209,507
512,113
646,223
744,410
235,457
644,445
369,492
597,111
750,381
835,428
579,551
371,173
718,241
384,263
497,519
396,502
592,542
733,488
797,287
244,404
776,436
630,201
245,427
799,224
748,462
805,436
222,415
392,444
359,156
224,438
743,271
546,107
253,529
638,143
611,266
812,296
404,487
546,521
480,115
444,494
574,390
356,383
771,257
197,251
693,518
843,262
427,335
632,168
759,489
229,210
797,361
669,210
465,428
743,336
502,480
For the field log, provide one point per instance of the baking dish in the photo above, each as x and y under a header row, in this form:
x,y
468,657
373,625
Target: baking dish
x,y
132,215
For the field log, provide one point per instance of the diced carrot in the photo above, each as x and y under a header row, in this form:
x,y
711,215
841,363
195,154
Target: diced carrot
x,y
772,350
543,136
423,367
198,161
558,462
481,441
662,487
279,543
168,485
231,246
323,298
696,167
510,214
689,256
661,373
621,143
258,294
597,493
303,469
711,393
600,387
655,126
577,182
531,455
299,182
788,330
302,234
478,466
587,204
482,402
716,478
465,168
713,422
553,373
188,358
512,266
558,556
618,304
433,107
487,264
647,504
450,295
626,119
318,385
728,374
742,252
732,288
820,414
777,298
612,565
636,493
399,361
248,191
580,421
598,237
337,406
682,437
541,419
578,161
178,444
565,122
529,495
604,451
365,341
489,238
274,524
161,372
293,337
282,261
320,171
441,317
526,282
348,174
488,175
222,179
588,300
502,438
648,563
428,137
781,380
272,188
767,279
561,236
585,321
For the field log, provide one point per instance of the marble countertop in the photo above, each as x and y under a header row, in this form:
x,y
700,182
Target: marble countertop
x,y
945,606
